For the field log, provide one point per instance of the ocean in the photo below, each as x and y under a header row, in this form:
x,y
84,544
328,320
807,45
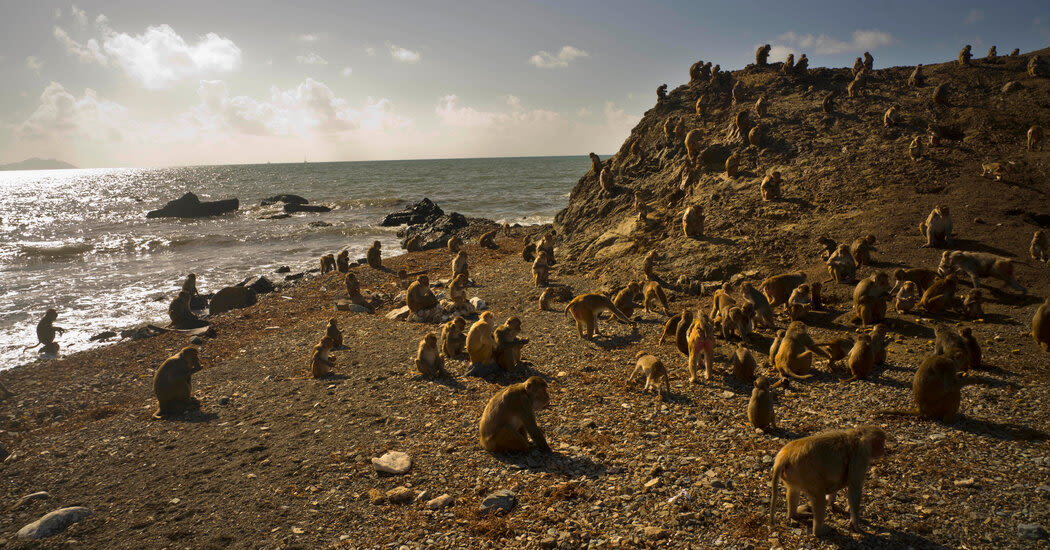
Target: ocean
x,y
79,240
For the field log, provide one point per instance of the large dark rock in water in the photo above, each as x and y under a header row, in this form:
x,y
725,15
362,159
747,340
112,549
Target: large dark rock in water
x,y
292,208
231,297
286,199
424,211
189,206
437,233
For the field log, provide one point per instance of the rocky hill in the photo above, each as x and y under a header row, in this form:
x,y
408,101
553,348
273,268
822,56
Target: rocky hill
x,y
845,173
37,164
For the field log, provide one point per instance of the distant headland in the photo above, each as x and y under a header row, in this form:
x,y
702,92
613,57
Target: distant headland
x,y
37,164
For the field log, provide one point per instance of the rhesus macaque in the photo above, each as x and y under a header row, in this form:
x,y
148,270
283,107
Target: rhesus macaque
x,y
509,419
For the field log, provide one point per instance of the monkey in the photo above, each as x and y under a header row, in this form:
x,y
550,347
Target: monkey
x,y
991,53
917,80
508,346
762,107
528,253
419,297
693,222
541,270
853,89
869,61
596,164
607,180
696,70
972,305
701,341
737,320
509,420
775,347
458,294
459,264
171,383
964,56
700,102
1033,66
915,149
869,298
481,342
585,309
841,266
800,302
908,295
828,103
647,265
669,123
488,240
940,295
770,186
373,256
332,331
661,93
342,262
858,65
1035,136
353,290
652,291
414,243
789,64
821,465
327,263
756,135
743,124
1041,325
655,374
1040,247
937,228
640,206
828,247
454,244
321,364
923,278
453,341
506,229
946,341
179,312
759,304
679,129
861,359
862,248
721,301
836,350
547,245
693,145
890,117
46,330
1016,52
732,165
403,281
715,73
760,408
429,362
937,387
940,94
190,284
743,363
877,335
779,287
545,298
738,92
670,331
794,354
624,300
802,65
980,264
994,169
762,55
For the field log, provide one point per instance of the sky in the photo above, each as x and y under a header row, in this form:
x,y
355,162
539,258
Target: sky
x,y
148,83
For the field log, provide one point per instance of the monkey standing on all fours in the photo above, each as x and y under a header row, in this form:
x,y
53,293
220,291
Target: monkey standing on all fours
x,y
654,372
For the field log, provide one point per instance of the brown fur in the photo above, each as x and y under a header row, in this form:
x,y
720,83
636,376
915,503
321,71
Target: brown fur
x,y
509,419
171,383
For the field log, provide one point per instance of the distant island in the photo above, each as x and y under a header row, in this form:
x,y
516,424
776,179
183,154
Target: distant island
x,y
37,164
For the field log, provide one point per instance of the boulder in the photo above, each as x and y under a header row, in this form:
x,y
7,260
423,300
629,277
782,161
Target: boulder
x,y
189,206
293,208
393,462
439,502
423,211
260,284
499,501
104,335
437,232
53,523
286,199
231,297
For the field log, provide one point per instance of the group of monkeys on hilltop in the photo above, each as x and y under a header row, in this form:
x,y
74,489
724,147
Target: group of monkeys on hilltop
x,y
817,466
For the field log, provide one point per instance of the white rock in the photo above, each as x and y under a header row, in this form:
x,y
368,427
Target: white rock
x,y
399,313
393,462
478,303
54,523
439,502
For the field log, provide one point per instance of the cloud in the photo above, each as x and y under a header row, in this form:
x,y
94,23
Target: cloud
x,y
545,60
974,16
78,15
780,53
89,52
370,51
311,59
402,54
158,57
860,40
309,37
34,64
347,71
60,114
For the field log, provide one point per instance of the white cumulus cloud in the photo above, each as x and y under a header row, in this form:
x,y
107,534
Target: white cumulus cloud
x,y
403,54
309,37
347,71
78,15
311,59
545,60
89,52
860,40
34,64
61,114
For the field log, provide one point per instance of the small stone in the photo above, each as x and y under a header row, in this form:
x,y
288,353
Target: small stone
x,y
54,523
400,313
652,483
1030,531
439,502
39,495
358,308
969,482
393,462
654,533
588,423
224,401
399,495
375,496
196,340
499,501
479,304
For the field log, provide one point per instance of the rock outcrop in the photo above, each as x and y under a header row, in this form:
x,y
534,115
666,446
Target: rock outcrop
x,y
189,206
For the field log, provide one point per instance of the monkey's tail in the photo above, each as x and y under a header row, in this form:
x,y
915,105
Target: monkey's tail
x,y
787,370
640,354
36,345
